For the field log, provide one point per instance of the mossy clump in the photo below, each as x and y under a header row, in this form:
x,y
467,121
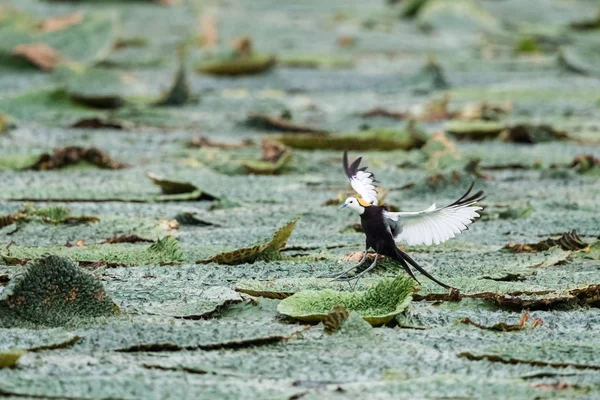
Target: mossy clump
x,y
378,304
54,291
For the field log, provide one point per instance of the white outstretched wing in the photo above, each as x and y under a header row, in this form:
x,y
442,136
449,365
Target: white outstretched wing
x,y
434,225
362,181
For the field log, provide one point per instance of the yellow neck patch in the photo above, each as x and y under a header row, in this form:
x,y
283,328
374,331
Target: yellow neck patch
x,y
363,203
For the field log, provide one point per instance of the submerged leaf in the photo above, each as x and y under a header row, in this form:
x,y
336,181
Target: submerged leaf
x,y
54,291
251,254
378,304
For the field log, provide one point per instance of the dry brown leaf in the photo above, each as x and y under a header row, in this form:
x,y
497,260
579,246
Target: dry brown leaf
x,y
56,24
41,55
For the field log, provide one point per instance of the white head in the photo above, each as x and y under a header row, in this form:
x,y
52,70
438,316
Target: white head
x,y
354,204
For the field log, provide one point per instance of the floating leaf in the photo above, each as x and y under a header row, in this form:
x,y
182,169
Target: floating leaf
x,y
431,76
465,15
188,218
213,300
179,190
276,156
68,156
581,59
566,353
166,251
269,123
179,93
96,87
128,239
49,215
509,211
85,41
251,66
316,61
54,291
520,133
282,288
98,123
378,305
266,251
242,60
586,164
568,241
441,152
8,359
375,139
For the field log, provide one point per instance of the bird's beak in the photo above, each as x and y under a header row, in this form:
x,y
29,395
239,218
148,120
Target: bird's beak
x,y
343,206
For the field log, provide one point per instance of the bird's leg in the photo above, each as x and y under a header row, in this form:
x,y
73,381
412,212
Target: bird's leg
x,y
358,276
340,274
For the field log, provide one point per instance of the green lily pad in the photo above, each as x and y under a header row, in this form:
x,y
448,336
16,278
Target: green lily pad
x,y
87,42
462,15
285,287
98,87
54,291
376,139
166,251
378,304
581,59
266,251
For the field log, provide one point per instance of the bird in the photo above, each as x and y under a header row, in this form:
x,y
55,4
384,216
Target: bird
x,y
383,228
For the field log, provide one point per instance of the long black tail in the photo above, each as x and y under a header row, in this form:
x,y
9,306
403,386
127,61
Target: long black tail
x,y
403,258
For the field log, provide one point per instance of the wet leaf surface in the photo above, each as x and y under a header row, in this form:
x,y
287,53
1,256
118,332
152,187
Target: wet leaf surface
x,y
503,92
